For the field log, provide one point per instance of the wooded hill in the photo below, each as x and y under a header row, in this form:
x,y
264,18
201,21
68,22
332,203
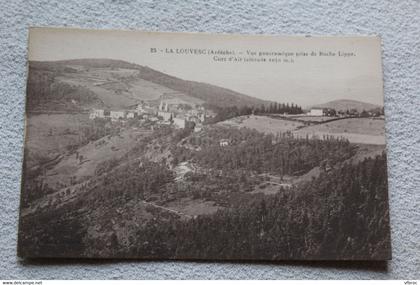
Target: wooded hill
x,y
345,104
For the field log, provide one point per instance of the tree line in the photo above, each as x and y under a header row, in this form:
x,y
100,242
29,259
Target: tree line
x,y
280,154
225,113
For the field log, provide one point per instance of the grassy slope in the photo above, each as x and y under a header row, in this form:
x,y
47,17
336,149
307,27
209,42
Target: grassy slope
x,y
118,84
48,135
263,124
356,130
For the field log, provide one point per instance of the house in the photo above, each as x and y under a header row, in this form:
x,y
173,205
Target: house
x,y
140,109
198,128
209,114
316,112
130,115
329,112
179,122
164,123
150,110
193,112
194,119
116,115
96,113
144,108
224,142
163,106
202,117
166,116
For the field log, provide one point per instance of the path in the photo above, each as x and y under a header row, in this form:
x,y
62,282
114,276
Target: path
x,y
166,209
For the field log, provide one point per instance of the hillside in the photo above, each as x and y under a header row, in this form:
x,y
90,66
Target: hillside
x,y
344,104
80,84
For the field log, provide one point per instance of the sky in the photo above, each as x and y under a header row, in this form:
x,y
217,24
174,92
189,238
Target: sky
x,y
311,79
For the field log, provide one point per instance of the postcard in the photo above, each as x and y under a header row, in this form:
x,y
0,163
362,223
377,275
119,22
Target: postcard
x,y
188,146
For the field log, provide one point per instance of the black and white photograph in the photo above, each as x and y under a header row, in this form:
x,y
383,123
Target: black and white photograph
x,y
193,146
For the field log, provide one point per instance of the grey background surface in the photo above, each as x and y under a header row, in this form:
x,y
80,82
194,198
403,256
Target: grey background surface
x,y
397,22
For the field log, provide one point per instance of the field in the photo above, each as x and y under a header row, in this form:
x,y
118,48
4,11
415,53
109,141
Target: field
x,y
312,118
120,88
83,163
356,130
48,135
364,126
263,124
303,118
191,208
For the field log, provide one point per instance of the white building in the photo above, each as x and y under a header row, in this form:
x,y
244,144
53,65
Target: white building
x,y
193,112
140,109
180,122
163,106
165,115
145,109
209,114
130,115
96,113
194,119
224,142
316,112
116,115
164,123
198,128
202,117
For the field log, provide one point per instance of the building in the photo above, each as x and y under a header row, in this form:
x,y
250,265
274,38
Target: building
x,y
193,112
140,109
163,106
167,123
194,119
198,128
208,114
146,116
202,117
96,113
316,112
130,115
180,122
329,112
224,142
116,115
166,116
145,109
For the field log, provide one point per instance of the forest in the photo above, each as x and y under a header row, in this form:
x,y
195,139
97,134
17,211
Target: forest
x,y
340,215
250,150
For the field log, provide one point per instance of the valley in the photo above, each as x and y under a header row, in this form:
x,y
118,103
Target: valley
x,y
124,161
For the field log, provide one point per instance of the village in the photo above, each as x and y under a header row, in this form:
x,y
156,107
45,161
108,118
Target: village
x,y
124,146
178,115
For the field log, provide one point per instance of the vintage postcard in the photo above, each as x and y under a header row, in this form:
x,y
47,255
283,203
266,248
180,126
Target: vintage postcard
x,y
196,146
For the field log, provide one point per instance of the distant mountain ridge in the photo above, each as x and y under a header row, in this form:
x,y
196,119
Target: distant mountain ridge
x,y
117,83
346,104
